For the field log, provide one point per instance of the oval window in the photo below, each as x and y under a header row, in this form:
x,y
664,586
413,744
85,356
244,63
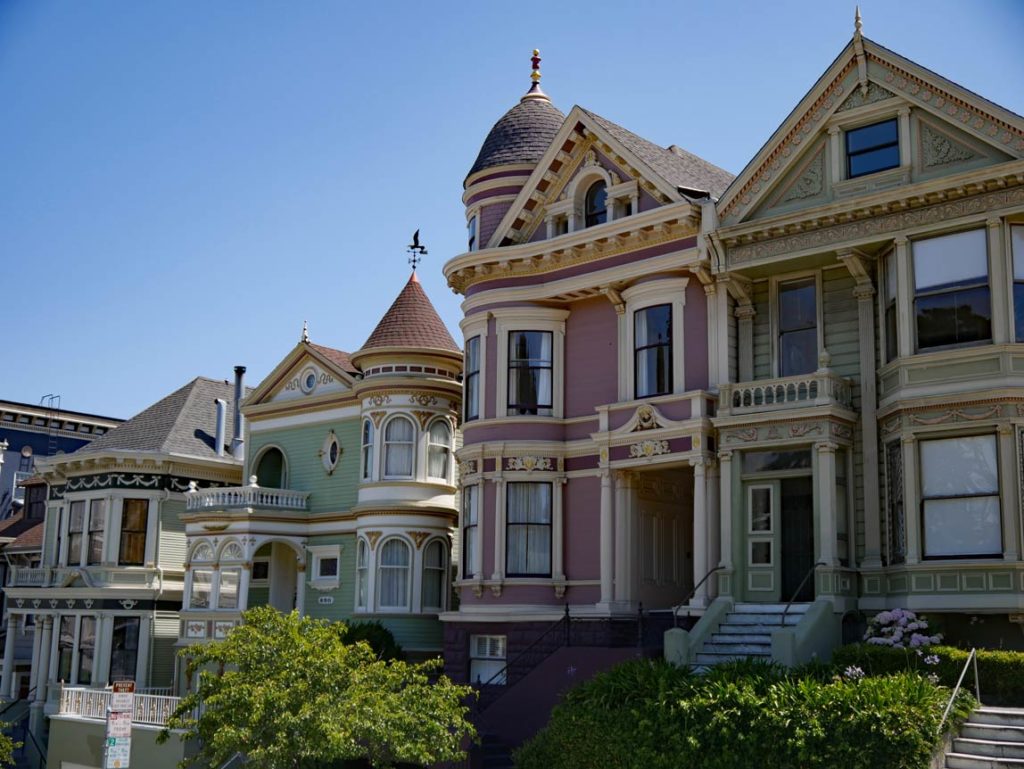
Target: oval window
x,y
308,380
330,452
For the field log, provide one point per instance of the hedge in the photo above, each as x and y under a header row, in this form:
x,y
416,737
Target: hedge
x,y
1001,673
650,715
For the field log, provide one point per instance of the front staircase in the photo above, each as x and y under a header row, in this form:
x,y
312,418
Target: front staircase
x,y
746,632
992,738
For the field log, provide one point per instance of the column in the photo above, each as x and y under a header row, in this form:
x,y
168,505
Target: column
x,y
112,536
835,151
826,502
623,560
714,525
904,128
1000,282
557,530
725,508
912,520
499,528
904,299
745,341
607,538
711,304
869,426
722,321
43,674
142,663
700,531
300,588
1009,494
101,658
7,675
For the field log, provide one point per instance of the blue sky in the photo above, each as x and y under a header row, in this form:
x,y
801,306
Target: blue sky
x,y
183,183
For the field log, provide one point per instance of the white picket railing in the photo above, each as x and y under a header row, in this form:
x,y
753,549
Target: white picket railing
x,y
245,496
823,387
83,702
92,576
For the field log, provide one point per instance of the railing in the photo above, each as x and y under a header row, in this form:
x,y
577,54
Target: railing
x,y
683,604
92,576
823,387
792,598
971,658
245,496
149,709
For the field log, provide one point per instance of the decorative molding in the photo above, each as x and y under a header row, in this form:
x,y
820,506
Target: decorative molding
x,y
811,182
648,449
423,417
422,399
128,603
379,399
372,537
377,417
937,149
646,419
955,415
858,98
529,464
419,537
468,467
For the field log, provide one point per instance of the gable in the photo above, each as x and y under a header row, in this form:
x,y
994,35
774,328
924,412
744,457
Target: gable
x,y
943,130
305,373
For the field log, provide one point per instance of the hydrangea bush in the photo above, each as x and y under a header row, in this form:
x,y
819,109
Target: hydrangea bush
x,y
900,629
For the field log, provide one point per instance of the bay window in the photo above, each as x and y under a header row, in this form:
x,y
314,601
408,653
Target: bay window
x,y
951,292
471,396
393,575
469,529
652,350
439,448
399,446
134,520
798,326
201,590
433,576
362,565
227,593
960,497
528,530
529,373
97,524
76,526
367,449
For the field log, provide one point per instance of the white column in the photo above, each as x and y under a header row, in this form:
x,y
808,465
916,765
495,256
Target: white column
x,y
912,520
243,586
725,508
43,674
623,554
711,305
1000,282
101,654
557,530
826,502
8,664
700,531
499,529
745,341
835,137
722,321
300,588
904,299
152,530
607,538
142,662
714,525
869,427
477,566
1009,494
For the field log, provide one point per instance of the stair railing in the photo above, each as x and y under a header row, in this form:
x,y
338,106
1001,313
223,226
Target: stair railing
x,y
971,658
800,587
12,703
691,594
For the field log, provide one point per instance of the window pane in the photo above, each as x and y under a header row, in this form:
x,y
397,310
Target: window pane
x,y
871,136
473,354
86,650
1017,238
769,461
596,205
653,325
65,647
528,531
760,553
761,509
530,346
201,581
124,648
97,523
953,317
133,532
328,567
228,595
959,466
798,352
966,526
394,574
957,259
875,160
653,371
798,305
472,396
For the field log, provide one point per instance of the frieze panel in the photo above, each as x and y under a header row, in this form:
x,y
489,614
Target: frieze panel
x,y
648,449
937,149
787,432
143,481
529,464
858,99
811,182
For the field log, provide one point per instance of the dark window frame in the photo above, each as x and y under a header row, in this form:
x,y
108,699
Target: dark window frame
x,y
122,549
852,154
637,350
782,332
592,215
471,396
529,409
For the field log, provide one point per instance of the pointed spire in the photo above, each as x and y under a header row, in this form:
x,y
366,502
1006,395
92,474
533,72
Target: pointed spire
x,y
535,91
305,331
858,25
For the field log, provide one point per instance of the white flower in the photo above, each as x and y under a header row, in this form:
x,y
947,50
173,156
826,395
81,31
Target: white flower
x,y
854,673
934,678
932,659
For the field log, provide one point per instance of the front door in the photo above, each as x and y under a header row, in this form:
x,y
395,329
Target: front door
x,y
797,508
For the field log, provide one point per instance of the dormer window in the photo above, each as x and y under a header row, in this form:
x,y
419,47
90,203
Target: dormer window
x,y
872,148
596,204
471,235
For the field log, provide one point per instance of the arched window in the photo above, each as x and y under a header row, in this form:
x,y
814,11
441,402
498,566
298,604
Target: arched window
x,y
596,205
203,552
201,590
393,575
367,450
471,235
399,445
362,564
433,576
231,552
270,469
229,577
439,447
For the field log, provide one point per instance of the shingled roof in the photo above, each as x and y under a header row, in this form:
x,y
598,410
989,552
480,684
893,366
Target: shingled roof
x,y
674,164
522,135
183,423
339,358
412,323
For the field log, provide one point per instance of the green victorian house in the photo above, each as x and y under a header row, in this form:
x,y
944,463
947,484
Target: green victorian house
x,y
350,499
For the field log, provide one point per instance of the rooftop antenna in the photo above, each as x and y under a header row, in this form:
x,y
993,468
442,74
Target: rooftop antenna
x,y
416,251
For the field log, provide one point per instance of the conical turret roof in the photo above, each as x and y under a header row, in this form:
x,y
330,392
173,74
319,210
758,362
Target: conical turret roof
x,y
411,323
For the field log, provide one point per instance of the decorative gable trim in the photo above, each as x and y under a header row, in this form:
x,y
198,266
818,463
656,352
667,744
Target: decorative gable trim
x,y
291,364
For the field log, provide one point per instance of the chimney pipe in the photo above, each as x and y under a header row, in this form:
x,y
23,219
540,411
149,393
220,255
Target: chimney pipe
x,y
222,415
238,442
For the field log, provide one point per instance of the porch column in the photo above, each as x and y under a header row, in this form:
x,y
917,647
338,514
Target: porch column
x,y
300,588
745,341
607,538
721,320
869,426
714,525
700,531
8,667
42,677
910,497
104,639
1008,494
243,586
826,502
623,539
725,507
142,663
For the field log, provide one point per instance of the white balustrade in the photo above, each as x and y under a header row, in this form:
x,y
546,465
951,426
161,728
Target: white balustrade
x,y
83,702
245,496
822,388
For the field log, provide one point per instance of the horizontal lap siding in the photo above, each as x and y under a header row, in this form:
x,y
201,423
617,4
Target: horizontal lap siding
x,y
171,545
344,595
762,332
161,661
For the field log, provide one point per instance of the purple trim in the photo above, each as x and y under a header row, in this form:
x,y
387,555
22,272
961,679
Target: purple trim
x,y
581,463
493,193
502,175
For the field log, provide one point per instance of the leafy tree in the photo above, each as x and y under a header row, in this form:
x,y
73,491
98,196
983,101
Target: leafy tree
x,y
290,692
7,746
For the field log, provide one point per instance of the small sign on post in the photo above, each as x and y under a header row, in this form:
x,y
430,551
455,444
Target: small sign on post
x,y
117,749
123,696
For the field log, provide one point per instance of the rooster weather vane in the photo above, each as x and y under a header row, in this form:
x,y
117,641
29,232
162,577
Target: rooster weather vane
x,y
416,251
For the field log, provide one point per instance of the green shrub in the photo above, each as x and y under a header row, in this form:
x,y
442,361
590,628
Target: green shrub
x,y
650,715
377,636
1000,673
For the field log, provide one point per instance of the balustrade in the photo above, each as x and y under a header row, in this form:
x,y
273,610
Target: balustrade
x,y
823,387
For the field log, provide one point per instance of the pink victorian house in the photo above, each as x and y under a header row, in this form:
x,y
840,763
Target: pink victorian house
x,y
587,470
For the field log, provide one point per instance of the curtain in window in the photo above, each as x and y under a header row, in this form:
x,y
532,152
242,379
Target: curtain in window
x,y
367,449
960,490
798,327
440,439
202,582
433,576
393,580
65,647
227,596
134,518
362,559
97,523
398,448
76,524
86,650
124,648
528,531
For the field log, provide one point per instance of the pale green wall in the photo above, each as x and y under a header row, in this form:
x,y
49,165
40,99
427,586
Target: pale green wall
x,y
161,660
171,540
80,741
344,596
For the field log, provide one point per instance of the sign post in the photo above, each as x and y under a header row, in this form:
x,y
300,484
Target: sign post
x,y
117,747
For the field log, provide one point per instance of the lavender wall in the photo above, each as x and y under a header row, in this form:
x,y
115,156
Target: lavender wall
x,y
490,218
490,382
591,362
581,503
695,331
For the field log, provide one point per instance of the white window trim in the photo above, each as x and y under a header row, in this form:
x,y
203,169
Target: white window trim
x,y
412,583
427,444
368,465
476,568
773,313
384,447
476,327
260,582
318,553
509,319
867,115
670,291
557,529
473,212
446,556
112,527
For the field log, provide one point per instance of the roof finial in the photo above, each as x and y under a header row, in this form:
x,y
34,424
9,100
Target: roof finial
x,y
416,251
305,331
535,92
857,23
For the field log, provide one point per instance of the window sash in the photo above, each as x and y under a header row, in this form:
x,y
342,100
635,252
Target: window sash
x,y
393,573
65,647
367,449
399,443
227,592
134,522
86,649
471,383
124,648
798,326
875,142
76,524
469,528
97,524
530,372
528,529
202,589
652,351
596,204
433,577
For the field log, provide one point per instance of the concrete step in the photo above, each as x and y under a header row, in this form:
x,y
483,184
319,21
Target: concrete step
x,y
760,650
992,732
725,629
990,748
716,659
964,761
1002,716
769,620
740,638
770,608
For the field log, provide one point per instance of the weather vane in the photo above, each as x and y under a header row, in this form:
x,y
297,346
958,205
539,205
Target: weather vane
x,y
416,251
